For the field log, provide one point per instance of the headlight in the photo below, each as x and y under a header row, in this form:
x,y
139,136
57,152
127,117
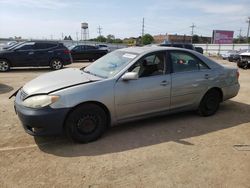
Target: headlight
x,y
40,101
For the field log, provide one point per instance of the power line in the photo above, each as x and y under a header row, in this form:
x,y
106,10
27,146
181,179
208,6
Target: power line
x,y
99,30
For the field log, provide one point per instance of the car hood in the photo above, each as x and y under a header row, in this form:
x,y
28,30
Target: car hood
x,y
57,80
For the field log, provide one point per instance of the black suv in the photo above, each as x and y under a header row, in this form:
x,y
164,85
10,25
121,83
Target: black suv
x,y
183,45
35,54
87,52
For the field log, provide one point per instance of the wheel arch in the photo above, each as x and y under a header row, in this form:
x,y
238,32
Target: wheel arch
x,y
215,89
6,59
104,107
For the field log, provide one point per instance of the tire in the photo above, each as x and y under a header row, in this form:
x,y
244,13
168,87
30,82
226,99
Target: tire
x,y
56,64
86,123
4,66
245,65
210,103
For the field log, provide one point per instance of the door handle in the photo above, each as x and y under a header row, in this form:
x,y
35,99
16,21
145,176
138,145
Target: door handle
x,y
30,53
207,76
164,83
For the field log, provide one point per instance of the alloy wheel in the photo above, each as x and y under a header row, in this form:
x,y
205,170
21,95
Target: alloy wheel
x,y
4,66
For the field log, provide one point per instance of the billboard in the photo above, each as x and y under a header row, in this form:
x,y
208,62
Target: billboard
x,y
222,37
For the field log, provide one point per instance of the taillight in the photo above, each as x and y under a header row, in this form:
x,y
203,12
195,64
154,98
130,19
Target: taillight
x,y
66,52
238,74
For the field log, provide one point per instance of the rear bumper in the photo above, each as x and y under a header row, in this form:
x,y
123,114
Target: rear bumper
x,y
44,121
230,91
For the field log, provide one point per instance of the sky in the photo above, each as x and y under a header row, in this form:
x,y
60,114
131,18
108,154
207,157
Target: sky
x,y
47,19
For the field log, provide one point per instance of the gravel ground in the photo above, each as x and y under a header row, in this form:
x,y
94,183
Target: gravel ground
x,y
181,150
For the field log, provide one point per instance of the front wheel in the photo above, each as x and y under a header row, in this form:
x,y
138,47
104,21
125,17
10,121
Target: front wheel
x,y
4,66
210,103
86,123
56,64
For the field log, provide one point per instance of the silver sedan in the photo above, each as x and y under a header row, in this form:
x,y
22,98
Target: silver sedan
x,y
124,85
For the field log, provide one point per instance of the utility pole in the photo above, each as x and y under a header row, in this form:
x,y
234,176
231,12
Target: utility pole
x,y
192,31
77,37
239,35
62,36
248,21
99,30
143,26
240,32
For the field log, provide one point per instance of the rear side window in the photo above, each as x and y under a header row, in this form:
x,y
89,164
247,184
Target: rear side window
x,y
188,46
41,46
183,62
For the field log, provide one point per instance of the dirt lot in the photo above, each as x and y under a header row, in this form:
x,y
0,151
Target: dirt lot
x,y
182,150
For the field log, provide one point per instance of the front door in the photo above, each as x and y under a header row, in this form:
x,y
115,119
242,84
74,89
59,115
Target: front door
x,y
24,56
149,93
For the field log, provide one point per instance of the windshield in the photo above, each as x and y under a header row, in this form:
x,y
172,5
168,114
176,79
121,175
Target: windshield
x,y
15,45
109,65
71,47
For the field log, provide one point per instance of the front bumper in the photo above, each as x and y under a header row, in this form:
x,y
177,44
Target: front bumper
x,y
40,122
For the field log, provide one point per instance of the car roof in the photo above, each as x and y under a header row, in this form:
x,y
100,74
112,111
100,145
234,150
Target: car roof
x,y
147,49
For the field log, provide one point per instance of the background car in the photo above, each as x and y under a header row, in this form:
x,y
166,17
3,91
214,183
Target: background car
x,y
228,53
244,61
86,52
35,54
124,85
183,45
103,47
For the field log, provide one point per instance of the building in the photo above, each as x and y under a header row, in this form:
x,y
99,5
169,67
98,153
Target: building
x,y
179,38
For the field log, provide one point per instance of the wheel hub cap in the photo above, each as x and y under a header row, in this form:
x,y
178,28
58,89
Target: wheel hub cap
x,y
87,124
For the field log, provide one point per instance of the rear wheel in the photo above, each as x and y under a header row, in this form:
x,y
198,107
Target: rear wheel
x,y
86,123
4,66
245,65
210,103
56,64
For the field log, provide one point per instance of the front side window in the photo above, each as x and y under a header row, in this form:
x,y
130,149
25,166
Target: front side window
x,y
28,46
90,47
150,65
183,61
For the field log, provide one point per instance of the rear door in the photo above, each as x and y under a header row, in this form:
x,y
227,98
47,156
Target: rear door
x,y
91,52
44,53
150,93
190,79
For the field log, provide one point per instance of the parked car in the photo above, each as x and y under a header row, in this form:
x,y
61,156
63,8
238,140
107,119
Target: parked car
x,y
86,52
124,85
228,53
35,54
183,45
244,60
104,47
199,49
234,57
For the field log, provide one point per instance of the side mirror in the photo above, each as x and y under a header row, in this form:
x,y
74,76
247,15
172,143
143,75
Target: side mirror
x,y
130,76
